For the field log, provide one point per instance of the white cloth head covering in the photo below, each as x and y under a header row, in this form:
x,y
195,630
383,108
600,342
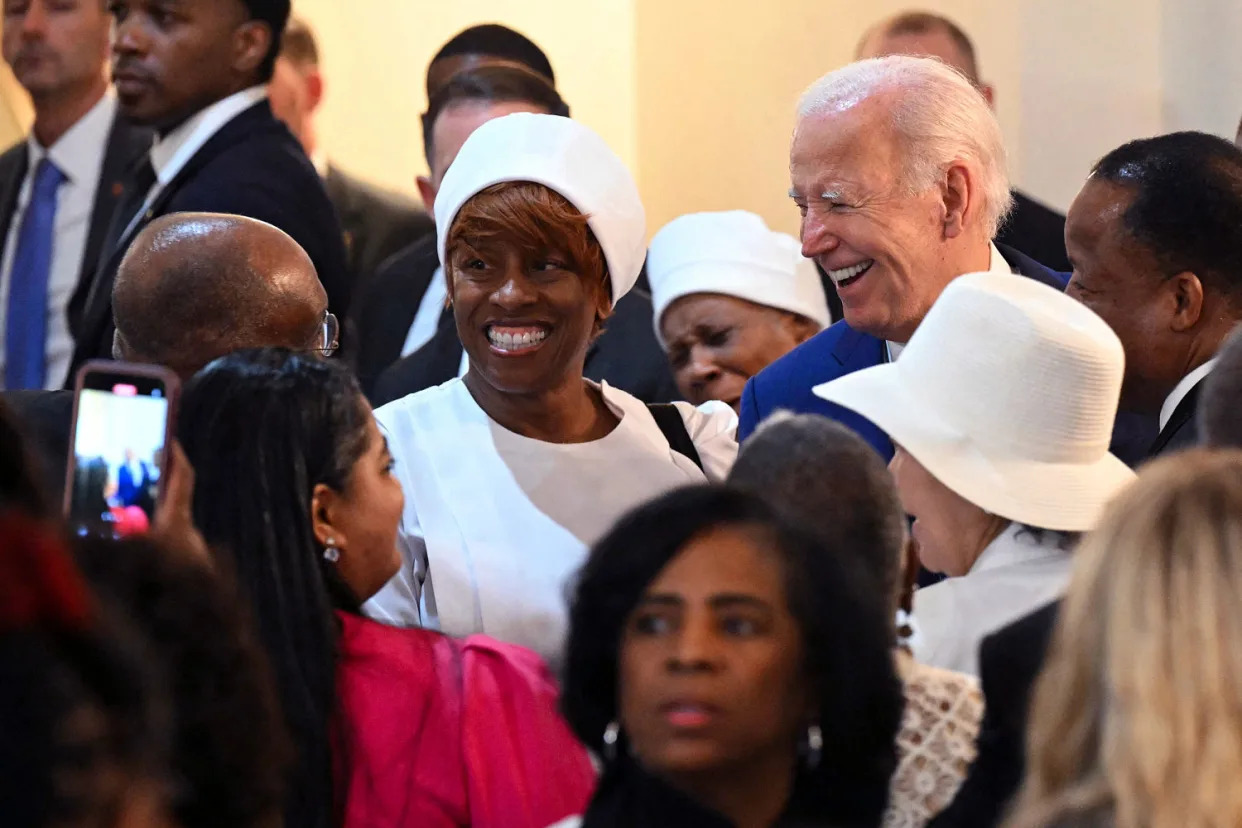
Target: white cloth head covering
x,y
735,254
566,157
1006,394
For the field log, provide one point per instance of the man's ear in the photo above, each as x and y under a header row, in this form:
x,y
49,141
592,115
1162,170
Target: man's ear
x,y
958,195
1187,301
427,191
251,42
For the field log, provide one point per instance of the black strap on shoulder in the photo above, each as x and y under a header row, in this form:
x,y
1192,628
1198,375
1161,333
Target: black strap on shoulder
x,y
673,427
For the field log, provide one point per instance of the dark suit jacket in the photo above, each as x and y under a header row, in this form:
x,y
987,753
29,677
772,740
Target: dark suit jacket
x,y
1037,231
126,143
1182,430
627,355
46,419
1010,659
252,167
376,223
786,384
385,307
128,490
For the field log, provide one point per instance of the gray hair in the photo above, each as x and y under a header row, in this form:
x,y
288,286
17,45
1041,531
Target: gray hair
x,y
818,472
939,115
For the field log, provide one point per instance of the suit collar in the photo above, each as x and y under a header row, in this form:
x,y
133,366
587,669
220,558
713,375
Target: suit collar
x,y
173,152
1183,389
1182,418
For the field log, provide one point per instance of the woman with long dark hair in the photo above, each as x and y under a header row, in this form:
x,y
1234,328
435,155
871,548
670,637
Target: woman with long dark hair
x,y
294,490
729,672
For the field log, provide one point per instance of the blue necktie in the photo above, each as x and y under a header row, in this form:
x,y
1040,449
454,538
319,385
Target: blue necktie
x,y
25,337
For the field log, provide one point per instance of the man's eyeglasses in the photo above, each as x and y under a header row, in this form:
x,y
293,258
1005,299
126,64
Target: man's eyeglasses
x,y
330,336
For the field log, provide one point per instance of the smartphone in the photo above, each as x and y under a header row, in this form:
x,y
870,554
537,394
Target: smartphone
x,y
122,423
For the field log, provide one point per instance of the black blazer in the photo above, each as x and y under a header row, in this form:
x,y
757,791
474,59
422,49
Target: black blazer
x,y
1010,660
126,143
627,355
1037,231
1182,430
376,223
252,167
385,306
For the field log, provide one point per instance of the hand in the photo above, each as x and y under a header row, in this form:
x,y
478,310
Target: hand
x,y
174,516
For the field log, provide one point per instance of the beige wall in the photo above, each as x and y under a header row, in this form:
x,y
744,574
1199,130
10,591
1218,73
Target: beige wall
x,y
698,95
376,63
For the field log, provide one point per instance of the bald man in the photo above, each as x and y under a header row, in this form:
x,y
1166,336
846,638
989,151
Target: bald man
x,y
194,287
1031,228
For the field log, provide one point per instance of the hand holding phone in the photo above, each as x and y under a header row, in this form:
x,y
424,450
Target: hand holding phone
x,y
122,423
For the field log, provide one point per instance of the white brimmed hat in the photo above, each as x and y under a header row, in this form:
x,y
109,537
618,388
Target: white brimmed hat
x,y
735,254
1007,394
566,157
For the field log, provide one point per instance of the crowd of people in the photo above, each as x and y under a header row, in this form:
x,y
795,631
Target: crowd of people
x,y
500,511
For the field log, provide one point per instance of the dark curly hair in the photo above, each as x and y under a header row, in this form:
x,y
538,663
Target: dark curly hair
x,y
845,631
262,428
230,751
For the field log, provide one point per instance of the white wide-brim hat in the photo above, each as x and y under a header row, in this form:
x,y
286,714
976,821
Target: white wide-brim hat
x,y
735,254
1006,394
566,157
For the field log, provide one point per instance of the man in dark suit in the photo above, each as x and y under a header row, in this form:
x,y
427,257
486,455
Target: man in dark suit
x,y
401,308
890,238
133,479
1154,236
376,222
1032,228
59,54
194,287
201,83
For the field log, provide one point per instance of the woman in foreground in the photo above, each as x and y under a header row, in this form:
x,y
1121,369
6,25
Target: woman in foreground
x,y
393,727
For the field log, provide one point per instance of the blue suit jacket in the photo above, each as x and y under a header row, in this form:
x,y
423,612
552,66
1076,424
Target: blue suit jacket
x,y
129,490
786,384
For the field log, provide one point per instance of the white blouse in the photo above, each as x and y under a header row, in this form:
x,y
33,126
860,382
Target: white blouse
x,y
1017,574
496,524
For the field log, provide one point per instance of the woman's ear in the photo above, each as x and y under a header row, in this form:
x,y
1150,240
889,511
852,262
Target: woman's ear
x,y
325,503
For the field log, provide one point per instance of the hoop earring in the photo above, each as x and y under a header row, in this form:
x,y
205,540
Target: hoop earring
x,y
814,746
612,733
331,553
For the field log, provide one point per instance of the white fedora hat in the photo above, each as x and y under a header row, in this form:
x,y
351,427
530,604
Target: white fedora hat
x,y
1007,394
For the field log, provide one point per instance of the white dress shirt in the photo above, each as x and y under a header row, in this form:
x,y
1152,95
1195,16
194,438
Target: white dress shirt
x,y
1182,389
996,264
428,317
1016,574
173,151
79,155
500,522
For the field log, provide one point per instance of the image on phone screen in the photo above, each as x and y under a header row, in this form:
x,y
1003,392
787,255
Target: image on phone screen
x,y
118,454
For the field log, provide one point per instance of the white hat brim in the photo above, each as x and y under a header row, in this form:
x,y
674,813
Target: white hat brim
x,y
1067,497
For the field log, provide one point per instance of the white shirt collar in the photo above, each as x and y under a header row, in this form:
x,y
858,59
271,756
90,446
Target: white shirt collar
x,y
172,152
1182,389
319,159
996,264
72,154
1018,543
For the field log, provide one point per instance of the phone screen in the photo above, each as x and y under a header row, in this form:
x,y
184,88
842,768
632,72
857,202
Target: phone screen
x,y
118,453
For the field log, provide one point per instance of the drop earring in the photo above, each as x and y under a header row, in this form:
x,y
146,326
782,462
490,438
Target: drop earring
x,y
612,734
330,552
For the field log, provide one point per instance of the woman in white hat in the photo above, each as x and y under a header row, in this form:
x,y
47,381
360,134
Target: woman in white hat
x,y
512,471
731,297
1002,408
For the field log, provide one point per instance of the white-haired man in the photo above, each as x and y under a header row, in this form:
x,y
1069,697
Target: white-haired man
x,y
898,168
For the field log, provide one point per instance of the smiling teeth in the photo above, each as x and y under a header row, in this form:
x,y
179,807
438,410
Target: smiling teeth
x,y
515,342
847,273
